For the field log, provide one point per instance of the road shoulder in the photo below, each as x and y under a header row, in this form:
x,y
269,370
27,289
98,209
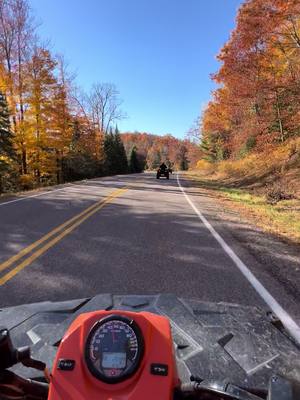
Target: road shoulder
x,y
274,261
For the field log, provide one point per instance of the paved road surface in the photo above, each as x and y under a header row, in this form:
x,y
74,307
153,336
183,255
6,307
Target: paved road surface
x,y
134,234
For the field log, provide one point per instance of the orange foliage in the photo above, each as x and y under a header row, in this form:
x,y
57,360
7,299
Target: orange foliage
x,y
154,149
258,102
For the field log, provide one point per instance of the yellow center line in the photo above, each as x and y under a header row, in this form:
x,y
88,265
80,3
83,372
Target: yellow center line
x,y
6,264
56,239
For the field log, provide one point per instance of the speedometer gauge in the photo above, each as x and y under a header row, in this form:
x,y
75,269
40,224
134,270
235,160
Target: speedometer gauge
x,y
114,348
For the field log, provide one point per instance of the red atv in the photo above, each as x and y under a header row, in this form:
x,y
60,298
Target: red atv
x,y
144,347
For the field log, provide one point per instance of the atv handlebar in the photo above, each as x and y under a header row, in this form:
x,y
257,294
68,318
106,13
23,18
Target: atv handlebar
x,y
11,355
217,390
15,387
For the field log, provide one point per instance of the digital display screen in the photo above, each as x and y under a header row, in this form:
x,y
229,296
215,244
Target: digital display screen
x,y
113,360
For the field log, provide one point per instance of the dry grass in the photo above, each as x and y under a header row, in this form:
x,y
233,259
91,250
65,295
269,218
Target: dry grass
x,y
282,219
264,187
274,162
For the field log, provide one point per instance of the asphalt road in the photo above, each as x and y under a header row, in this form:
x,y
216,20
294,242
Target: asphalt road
x,y
134,234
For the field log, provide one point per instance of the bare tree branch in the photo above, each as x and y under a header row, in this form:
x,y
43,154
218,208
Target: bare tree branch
x,y
104,104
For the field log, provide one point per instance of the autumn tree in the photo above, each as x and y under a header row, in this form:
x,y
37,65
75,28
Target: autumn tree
x,y
62,120
104,110
80,161
51,132
154,158
257,103
16,33
40,140
152,150
7,52
105,106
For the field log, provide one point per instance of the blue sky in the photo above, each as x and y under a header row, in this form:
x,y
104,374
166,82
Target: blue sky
x,y
159,53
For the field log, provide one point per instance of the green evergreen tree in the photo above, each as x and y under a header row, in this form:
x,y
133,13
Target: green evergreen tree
x,y
7,153
120,154
6,146
115,155
110,153
209,149
134,163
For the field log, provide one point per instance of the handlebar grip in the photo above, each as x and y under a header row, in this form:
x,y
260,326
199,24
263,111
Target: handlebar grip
x,y
9,355
27,388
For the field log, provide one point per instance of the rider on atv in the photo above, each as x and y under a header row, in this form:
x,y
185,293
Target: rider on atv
x,y
163,170
163,167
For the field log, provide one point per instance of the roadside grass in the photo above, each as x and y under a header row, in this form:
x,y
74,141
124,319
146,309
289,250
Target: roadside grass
x,y
282,218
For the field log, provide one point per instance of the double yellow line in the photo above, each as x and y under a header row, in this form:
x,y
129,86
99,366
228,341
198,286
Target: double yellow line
x,y
55,235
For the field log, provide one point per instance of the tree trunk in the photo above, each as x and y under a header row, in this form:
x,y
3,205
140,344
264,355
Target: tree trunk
x,y
279,119
24,160
58,167
21,125
38,169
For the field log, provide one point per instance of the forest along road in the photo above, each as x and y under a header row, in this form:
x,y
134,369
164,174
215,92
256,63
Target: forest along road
x,y
135,234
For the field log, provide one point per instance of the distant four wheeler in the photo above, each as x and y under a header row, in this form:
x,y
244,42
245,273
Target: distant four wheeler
x,y
163,172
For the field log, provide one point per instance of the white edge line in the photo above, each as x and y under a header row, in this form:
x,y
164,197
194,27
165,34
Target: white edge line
x,y
34,195
70,184
290,325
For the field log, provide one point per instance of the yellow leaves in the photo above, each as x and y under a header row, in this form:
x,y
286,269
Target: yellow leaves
x,y
205,167
4,159
27,181
271,160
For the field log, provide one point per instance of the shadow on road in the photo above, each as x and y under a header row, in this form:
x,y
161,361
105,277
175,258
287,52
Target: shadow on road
x,y
150,241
